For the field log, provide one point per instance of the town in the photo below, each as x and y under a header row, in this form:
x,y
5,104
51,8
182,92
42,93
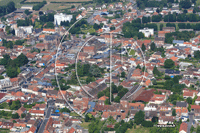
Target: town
x,y
105,66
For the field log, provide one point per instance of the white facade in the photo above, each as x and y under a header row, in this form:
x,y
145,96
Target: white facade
x,y
5,83
147,32
61,17
27,29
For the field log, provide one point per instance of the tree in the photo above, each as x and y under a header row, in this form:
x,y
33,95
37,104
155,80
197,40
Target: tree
x,y
156,72
138,66
87,118
157,10
123,74
117,99
27,12
139,117
173,112
65,110
153,46
189,108
15,116
147,124
140,35
107,102
143,47
169,63
23,115
189,100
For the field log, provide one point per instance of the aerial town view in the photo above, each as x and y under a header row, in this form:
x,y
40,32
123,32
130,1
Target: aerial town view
x,y
99,66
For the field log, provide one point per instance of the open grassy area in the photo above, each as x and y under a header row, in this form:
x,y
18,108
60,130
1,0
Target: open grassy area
x,y
4,130
138,130
57,6
5,2
58,0
85,125
132,52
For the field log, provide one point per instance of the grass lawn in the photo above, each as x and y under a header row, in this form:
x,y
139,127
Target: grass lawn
x,y
74,114
138,130
85,125
132,52
4,130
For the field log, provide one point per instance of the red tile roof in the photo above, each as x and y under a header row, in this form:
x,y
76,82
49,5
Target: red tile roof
x,y
183,127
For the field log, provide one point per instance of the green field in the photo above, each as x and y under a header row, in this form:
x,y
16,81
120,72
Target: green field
x,y
138,130
85,125
58,0
132,52
58,6
17,2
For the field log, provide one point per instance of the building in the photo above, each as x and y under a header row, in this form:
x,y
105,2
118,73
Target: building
x,y
147,32
4,83
27,7
58,18
183,128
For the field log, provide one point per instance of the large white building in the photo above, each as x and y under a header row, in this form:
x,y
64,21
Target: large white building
x,y
147,32
61,17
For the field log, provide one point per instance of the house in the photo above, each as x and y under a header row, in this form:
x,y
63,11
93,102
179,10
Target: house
x,y
164,120
32,129
159,41
90,50
60,103
170,29
181,104
157,99
27,7
42,46
59,17
183,128
162,33
36,112
147,32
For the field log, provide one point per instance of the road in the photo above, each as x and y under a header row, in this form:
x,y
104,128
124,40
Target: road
x,y
130,72
47,116
191,118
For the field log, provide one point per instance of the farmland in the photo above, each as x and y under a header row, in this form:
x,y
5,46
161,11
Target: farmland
x,y
17,2
58,0
57,6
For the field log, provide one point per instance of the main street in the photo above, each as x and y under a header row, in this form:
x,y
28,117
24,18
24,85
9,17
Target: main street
x,y
50,105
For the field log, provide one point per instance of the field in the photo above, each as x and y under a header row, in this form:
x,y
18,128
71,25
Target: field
x,y
138,130
58,6
85,125
17,2
58,0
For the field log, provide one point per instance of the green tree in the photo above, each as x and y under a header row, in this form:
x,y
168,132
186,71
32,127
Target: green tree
x,y
27,12
189,100
123,74
173,112
153,46
117,99
143,47
169,63
139,117
23,115
15,116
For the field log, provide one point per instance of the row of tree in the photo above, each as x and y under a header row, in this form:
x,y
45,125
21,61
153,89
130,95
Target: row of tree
x,y
39,5
132,29
185,35
10,7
